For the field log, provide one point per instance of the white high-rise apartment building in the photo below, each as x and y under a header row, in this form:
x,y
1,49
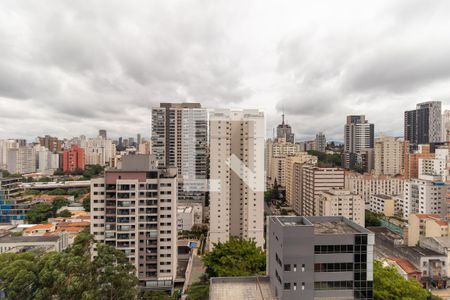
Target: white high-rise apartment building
x,y
47,161
358,137
321,142
98,151
436,168
21,160
5,145
339,202
134,209
237,175
180,140
425,197
389,155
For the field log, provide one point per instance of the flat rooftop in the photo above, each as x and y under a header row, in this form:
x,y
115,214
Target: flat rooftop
x,y
333,227
29,239
240,288
323,225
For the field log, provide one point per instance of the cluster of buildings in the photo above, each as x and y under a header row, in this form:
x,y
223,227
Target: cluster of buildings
x,y
56,235
213,166
48,154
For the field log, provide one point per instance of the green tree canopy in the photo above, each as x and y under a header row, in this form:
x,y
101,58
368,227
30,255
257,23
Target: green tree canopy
x,y
64,214
371,219
237,257
389,284
39,213
87,203
57,192
68,275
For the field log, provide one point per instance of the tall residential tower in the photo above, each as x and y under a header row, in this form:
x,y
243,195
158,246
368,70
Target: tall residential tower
x,y
237,175
180,140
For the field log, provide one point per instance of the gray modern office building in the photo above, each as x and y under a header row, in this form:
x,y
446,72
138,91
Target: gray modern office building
x,y
423,124
319,258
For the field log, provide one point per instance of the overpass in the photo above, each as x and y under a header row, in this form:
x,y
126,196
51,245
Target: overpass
x,y
55,185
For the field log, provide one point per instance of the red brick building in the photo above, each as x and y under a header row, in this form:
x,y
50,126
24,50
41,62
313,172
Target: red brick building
x,y
73,159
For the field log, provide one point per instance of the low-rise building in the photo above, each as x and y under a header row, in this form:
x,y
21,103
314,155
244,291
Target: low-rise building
x,y
382,204
426,225
16,244
319,258
188,216
367,185
339,202
39,230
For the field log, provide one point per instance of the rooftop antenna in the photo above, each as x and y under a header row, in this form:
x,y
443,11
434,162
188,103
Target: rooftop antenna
x,y
282,117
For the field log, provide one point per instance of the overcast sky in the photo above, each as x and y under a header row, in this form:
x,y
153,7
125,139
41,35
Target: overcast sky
x,y
72,67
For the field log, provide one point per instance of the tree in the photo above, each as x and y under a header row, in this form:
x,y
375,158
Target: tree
x,y
371,219
237,257
57,203
154,295
56,192
64,214
87,203
69,274
39,213
389,284
199,290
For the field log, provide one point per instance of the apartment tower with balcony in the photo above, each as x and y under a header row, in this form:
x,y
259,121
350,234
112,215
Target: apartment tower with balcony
x,y
133,208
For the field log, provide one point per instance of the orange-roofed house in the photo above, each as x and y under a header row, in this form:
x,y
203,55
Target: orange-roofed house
x,y
405,268
39,230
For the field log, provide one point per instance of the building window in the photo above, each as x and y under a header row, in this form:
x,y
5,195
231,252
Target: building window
x,y
287,268
287,285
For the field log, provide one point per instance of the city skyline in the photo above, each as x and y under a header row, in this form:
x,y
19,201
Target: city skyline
x,y
305,59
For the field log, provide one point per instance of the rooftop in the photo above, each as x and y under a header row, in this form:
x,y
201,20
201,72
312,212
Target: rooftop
x,y
29,239
333,228
323,225
240,288
404,264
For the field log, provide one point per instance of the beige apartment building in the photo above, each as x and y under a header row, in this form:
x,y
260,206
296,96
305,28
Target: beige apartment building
x,y
314,181
134,208
389,155
426,225
367,185
290,161
276,152
236,175
339,202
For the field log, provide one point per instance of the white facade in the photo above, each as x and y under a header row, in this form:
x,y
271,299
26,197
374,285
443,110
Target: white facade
x,y
383,204
424,197
21,160
98,151
437,167
367,185
5,145
321,142
188,216
237,175
47,161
